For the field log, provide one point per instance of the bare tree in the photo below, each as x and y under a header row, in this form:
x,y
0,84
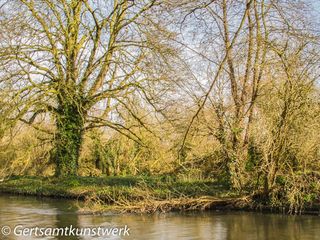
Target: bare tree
x,y
237,40
77,62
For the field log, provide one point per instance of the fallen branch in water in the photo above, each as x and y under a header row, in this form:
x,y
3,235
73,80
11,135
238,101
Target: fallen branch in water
x,y
150,205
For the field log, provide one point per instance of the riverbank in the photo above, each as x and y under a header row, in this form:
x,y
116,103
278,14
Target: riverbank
x,y
125,194
137,194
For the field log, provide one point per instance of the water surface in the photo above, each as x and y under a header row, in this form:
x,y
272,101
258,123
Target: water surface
x,y
31,212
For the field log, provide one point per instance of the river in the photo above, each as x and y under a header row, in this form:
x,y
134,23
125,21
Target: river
x,y
18,214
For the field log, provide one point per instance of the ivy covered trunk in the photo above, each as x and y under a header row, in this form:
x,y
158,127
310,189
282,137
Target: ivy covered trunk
x,y
68,140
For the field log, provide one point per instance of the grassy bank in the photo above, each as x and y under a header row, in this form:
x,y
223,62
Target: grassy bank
x,y
140,194
129,194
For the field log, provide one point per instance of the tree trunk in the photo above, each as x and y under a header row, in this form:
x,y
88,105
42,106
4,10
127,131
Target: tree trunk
x,y
68,139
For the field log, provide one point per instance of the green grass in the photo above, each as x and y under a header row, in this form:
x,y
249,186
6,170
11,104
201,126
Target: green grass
x,y
112,189
131,193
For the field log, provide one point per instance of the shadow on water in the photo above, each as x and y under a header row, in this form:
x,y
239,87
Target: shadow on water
x,y
32,212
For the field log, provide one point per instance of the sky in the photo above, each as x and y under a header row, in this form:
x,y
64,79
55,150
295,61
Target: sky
x,y
316,5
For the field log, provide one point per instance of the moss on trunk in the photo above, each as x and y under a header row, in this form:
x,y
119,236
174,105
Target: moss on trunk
x,y
68,140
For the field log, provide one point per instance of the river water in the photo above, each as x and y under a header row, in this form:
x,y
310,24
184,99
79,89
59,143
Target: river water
x,y
20,214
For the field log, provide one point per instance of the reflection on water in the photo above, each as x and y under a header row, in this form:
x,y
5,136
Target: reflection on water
x,y
32,212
